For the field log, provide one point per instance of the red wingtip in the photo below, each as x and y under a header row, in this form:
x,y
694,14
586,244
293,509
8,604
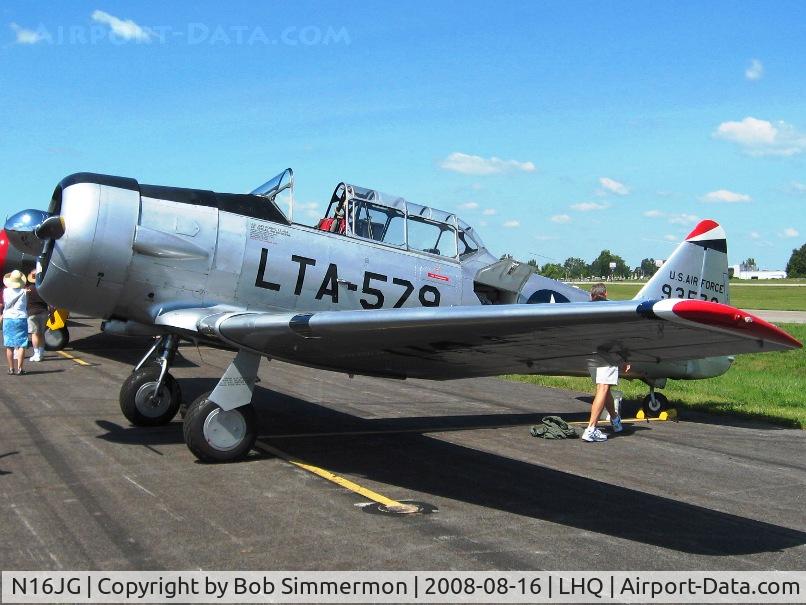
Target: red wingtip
x,y
702,227
731,318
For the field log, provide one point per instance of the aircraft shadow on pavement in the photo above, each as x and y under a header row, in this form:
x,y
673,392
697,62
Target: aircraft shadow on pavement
x,y
421,463
123,349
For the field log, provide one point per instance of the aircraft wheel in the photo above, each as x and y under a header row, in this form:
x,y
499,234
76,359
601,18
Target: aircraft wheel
x,y
56,340
140,406
216,435
652,409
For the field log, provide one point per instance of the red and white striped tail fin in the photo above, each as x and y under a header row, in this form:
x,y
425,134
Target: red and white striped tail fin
x,y
697,269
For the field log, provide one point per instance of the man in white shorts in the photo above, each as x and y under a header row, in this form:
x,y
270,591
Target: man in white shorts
x,y
604,377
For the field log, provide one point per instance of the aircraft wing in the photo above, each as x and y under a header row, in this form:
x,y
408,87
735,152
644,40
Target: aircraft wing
x,y
454,342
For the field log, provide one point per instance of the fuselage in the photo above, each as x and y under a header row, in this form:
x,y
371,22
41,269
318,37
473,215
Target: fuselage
x,y
129,255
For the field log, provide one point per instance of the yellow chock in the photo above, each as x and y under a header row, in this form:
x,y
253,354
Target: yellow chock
x,y
668,415
57,319
640,415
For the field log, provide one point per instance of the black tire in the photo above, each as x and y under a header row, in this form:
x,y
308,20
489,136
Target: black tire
x,y
56,340
236,440
136,401
653,411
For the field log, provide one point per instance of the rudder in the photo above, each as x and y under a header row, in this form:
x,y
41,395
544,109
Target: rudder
x,y
697,269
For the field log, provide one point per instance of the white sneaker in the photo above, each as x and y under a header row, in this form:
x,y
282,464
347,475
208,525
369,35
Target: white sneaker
x,y
615,422
35,357
592,434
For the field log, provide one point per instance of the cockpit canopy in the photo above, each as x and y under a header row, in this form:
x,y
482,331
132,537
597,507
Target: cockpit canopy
x,y
396,222
383,218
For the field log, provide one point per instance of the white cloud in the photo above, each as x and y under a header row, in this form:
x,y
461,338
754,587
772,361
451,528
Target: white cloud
x,y
614,186
474,164
560,218
125,29
469,206
790,232
512,224
490,212
755,70
588,206
483,223
755,235
683,219
671,238
27,36
761,137
546,238
310,209
674,219
723,195
796,187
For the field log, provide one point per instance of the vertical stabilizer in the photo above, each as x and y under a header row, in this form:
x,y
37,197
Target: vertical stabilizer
x,y
697,269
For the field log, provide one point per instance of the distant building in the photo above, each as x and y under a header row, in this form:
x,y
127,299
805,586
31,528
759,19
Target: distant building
x,y
743,272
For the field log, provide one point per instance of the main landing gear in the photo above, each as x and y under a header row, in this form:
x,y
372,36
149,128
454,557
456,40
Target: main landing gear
x,y
150,396
221,426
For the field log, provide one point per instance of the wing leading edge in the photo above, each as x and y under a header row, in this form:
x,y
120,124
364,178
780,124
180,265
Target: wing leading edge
x,y
455,342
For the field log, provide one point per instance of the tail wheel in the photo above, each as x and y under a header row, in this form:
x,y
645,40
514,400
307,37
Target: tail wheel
x,y
56,340
141,406
216,435
654,403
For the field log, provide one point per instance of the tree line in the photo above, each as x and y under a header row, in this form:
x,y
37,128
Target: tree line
x,y
600,268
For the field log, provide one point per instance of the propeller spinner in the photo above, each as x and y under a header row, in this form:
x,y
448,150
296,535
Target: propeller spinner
x,y
28,230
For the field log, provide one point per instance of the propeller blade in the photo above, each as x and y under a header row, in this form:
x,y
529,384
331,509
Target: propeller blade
x,y
51,228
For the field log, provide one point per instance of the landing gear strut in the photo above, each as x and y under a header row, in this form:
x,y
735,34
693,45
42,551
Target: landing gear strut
x,y
150,396
220,426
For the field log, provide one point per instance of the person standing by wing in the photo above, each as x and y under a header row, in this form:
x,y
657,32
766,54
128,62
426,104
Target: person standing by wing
x,y
604,377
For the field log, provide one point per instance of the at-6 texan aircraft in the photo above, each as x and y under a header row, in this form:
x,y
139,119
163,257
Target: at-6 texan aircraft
x,y
379,287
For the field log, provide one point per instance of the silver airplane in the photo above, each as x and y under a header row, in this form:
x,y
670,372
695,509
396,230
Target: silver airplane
x,y
379,287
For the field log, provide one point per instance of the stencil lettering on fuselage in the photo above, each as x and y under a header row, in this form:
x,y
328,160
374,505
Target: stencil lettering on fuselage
x,y
374,298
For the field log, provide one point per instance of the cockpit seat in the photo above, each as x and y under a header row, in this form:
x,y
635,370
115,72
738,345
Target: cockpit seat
x,y
325,224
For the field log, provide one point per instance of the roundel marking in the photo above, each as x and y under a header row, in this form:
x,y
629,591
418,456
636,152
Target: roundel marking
x,y
546,296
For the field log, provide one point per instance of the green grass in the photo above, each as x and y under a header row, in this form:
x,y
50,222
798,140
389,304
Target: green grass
x,y
742,294
765,386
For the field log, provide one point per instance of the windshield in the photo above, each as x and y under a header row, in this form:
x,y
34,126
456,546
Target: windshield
x,y
279,190
275,185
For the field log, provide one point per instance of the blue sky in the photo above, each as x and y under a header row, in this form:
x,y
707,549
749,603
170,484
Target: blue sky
x,y
556,128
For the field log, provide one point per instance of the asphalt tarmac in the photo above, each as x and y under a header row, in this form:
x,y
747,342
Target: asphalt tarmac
x,y
82,489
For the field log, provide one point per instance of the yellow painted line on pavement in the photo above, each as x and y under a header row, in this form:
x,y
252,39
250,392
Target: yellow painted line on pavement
x,y
80,362
392,505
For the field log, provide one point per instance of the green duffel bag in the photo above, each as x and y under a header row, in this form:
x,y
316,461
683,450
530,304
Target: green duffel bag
x,y
553,427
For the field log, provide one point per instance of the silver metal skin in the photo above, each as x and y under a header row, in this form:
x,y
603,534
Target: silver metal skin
x,y
404,291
